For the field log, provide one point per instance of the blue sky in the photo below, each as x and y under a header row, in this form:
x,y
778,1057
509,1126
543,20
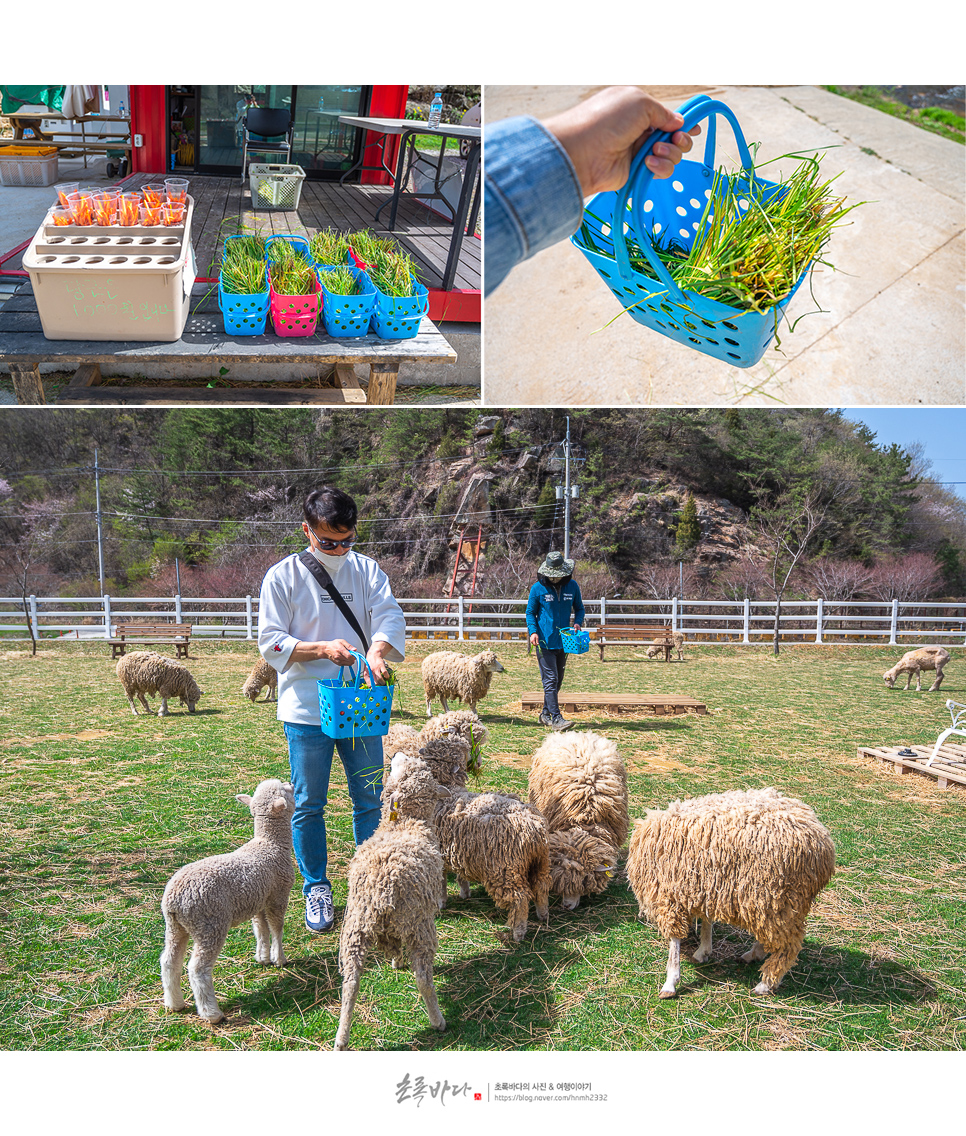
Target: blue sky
x,y
942,432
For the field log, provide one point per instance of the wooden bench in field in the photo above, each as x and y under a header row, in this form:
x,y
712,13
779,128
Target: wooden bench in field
x,y
634,635
151,634
661,704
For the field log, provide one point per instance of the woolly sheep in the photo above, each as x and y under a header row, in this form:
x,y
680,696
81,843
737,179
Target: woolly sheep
x,y
146,672
579,783
752,858
203,900
498,841
446,753
263,674
915,662
467,724
448,674
395,890
677,638
582,862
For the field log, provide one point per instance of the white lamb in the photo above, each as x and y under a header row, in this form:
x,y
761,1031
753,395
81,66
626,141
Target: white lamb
x,y
753,858
578,782
915,662
448,674
146,672
395,890
262,674
203,900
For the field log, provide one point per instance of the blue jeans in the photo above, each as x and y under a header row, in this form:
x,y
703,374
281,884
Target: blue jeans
x,y
310,758
552,664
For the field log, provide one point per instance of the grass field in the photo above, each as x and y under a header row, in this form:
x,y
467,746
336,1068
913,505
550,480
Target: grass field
x,y
99,808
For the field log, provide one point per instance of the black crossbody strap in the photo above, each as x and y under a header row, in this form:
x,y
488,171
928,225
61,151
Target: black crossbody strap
x,y
323,577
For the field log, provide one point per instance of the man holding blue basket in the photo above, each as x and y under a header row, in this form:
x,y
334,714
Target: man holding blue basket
x,y
315,609
552,598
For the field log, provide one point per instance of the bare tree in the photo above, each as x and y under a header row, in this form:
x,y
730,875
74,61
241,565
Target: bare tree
x,y
787,524
914,576
840,580
24,540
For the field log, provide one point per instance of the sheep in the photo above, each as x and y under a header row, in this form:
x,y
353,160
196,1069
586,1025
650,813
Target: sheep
x,y
579,784
395,890
915,662
262,674
582,862
578,778
468,725
498,841
445,752
752,858
677,638
448,674
204,899
146,672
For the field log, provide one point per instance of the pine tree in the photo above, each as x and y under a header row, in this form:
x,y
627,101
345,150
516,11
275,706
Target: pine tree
x,y
689,527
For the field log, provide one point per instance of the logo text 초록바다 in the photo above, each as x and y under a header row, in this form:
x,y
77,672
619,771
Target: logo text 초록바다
x,y
418,1089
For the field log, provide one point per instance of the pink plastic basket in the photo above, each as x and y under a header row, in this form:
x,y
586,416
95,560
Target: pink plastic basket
x,y
295,315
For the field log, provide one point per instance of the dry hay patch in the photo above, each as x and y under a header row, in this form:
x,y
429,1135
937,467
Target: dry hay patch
x,y
641,762
130,1001
513,760
779,1033
83,736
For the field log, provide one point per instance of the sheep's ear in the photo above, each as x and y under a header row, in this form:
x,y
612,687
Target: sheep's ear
x,y
279,805
442,793
245,799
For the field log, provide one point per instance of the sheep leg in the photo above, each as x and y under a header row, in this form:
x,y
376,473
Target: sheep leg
x,y
464,886
350,991
939,678
781,956
444,704
275,917
423,972
909,679
163,712
202,963
518,917
703,953
144,703
262,938
756,954
429,708
673,976
172,960
541,897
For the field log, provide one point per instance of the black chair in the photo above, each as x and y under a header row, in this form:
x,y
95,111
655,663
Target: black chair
x,y
259,126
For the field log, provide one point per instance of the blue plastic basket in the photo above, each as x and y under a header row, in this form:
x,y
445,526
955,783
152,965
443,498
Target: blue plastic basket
x,y
646,208
300,244
354,711
574,642
345,316
399,317
243,315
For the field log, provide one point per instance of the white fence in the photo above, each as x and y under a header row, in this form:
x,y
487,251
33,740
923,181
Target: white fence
x,y
751,621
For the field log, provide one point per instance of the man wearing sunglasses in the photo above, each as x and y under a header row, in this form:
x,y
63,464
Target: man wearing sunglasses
x,y
306,635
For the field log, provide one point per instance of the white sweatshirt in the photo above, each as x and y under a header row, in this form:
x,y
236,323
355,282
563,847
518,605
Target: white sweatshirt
x,y
293,607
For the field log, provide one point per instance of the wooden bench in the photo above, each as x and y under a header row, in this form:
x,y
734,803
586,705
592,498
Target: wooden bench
x,y
575,701
634,635
151,634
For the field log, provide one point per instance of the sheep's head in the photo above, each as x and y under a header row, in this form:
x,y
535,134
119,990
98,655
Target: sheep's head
x,y
889,678
490,662
410,788
272,798
581,863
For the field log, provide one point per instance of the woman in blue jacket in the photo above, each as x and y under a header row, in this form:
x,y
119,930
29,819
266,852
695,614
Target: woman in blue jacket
x,y
551,600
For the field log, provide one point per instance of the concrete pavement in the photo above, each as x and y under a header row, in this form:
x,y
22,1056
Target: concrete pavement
x,y
892,328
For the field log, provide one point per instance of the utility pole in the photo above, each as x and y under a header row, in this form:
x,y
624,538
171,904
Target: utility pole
x,y
567,494
100,529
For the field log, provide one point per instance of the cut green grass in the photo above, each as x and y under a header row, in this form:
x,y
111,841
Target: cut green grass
x,y
100,808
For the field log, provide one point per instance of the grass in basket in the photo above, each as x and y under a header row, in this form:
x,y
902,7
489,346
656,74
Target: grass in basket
x,y
749,258
389,268
292,275
243,266
329,247
340,281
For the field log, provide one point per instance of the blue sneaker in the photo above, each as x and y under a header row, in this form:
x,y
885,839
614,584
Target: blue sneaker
x,y
319,911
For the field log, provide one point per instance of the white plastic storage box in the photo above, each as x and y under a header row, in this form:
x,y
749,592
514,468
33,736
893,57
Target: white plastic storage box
x,y
275,187
26,170
121,283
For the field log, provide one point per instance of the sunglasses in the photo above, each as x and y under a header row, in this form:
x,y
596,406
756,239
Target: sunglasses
x,y
331,545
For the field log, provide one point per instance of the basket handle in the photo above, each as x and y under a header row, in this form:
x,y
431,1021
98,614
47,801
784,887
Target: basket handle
x,y
694,111
357,678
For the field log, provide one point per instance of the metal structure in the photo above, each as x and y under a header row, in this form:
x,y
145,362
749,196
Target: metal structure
x,y
957,711
467,564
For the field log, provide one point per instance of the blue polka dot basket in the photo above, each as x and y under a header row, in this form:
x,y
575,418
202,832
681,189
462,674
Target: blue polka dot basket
x,y
648,210
574,642
349,710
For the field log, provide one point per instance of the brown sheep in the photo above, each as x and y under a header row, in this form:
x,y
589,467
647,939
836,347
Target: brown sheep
x,y
262,674
754,859
915,662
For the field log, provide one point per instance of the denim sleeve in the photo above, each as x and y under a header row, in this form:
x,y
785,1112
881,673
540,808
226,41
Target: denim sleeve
x,y
532,197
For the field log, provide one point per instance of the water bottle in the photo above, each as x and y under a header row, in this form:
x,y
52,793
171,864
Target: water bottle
x,y
120,110
436,109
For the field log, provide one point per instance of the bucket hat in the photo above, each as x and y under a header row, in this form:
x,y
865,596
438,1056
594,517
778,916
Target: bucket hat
x,y
556,567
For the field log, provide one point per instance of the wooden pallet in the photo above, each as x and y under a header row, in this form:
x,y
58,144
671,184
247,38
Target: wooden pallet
x,y
949,768
619,703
